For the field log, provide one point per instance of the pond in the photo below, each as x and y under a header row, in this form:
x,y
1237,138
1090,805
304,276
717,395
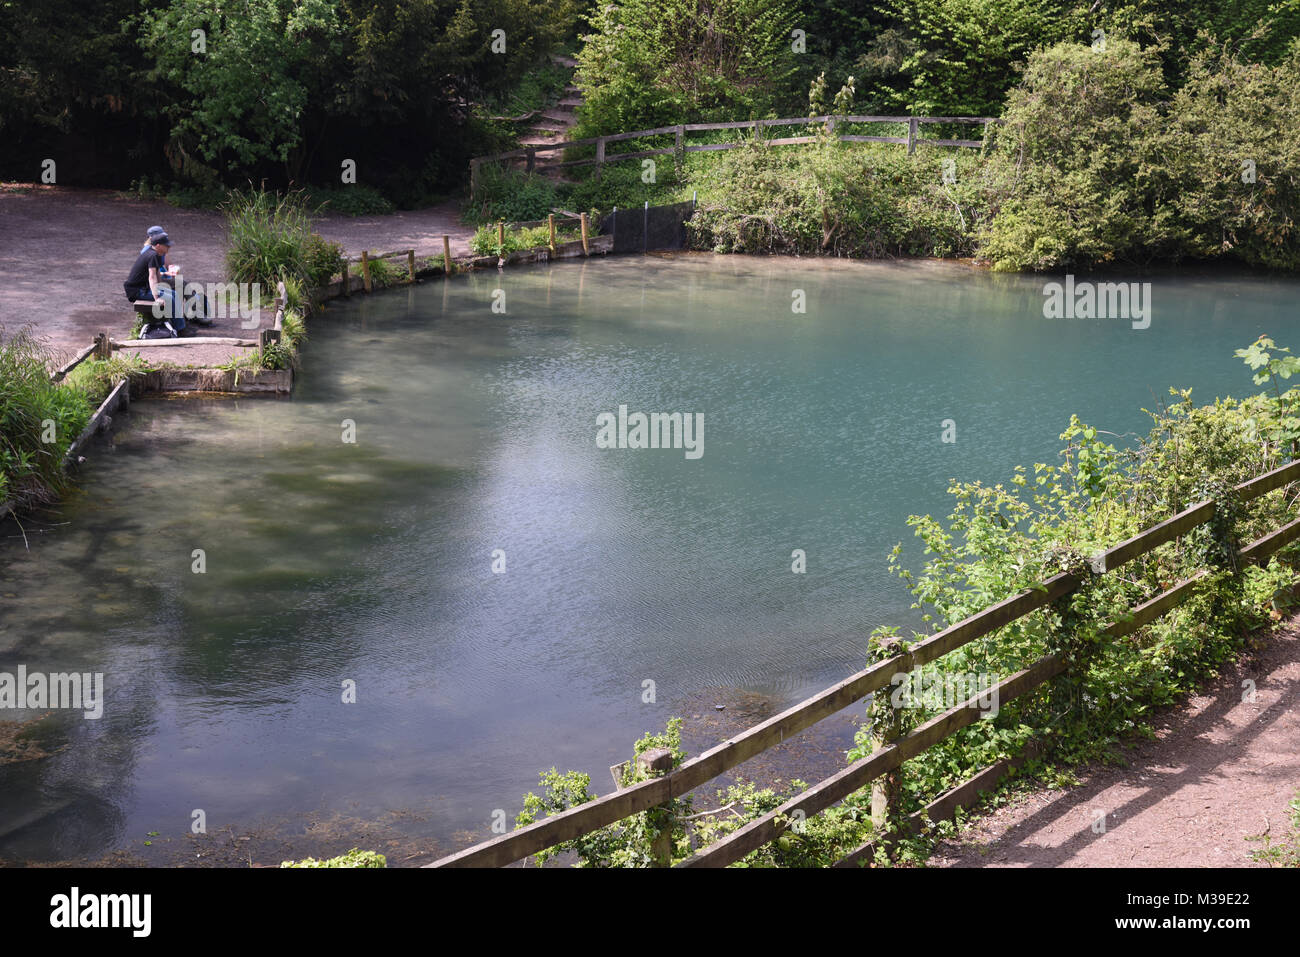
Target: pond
x,y
430,526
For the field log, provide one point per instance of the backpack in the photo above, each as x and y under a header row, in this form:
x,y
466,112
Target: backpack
x,y
158,330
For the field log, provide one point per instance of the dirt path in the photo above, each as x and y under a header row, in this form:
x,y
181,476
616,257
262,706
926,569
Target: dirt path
x,y
1220,770
65,252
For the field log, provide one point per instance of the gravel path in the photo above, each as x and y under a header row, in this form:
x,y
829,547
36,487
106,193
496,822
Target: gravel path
x,y
65,252
1220,770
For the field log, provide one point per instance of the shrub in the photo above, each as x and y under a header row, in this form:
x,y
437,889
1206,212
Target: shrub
x,y
1080,170
504,194
322,260
32,410
354,200
268,236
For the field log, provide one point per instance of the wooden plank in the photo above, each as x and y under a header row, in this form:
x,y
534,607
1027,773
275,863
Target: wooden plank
x,y
872,139
631,136
614,157
874,119
562,827
1153,608
790,140
974,144
955,119
80,358
728,754
839,786
701,147
1156,535
1258,551
945,806
365,270
1282,475
120,395
179,343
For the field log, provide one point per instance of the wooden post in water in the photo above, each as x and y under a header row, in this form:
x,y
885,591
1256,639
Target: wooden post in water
x,y
347,279
365,269
550,220
410,264
447,267
583,218
501,239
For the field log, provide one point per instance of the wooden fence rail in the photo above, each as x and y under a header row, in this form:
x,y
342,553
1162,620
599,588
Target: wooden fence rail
x,y
530,153
593,815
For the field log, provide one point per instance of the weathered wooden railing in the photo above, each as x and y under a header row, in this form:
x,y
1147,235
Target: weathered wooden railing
x,y
912,139
588,817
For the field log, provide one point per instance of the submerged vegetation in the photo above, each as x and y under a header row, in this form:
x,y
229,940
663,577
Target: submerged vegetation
x,y
1002,539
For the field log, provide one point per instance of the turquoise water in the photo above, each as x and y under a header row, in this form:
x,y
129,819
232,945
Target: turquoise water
x,y
371,561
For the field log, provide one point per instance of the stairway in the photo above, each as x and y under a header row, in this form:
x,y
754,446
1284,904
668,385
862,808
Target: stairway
x,y
552,125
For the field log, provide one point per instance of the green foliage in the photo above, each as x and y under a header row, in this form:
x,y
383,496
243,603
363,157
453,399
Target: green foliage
x,y
353,858
627,843
270,237
837,199
1279,412
32,409
651,63
352,200
510,195
484,241
1079,172
95,378
265,61
322,260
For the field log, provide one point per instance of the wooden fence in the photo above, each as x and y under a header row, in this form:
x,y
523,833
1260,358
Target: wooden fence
x,y
529,153
647,794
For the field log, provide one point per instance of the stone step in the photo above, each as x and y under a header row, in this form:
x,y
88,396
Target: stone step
x,y
570,102
549,126
564,117
564,60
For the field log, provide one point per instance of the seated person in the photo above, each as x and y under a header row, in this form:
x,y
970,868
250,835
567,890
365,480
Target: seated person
x,y
198,311
145,282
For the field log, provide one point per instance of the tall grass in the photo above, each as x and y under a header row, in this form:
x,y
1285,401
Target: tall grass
x,y
268,236
271,238
38,421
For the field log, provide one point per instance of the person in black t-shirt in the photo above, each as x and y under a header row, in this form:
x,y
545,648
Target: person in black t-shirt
x,y
145,281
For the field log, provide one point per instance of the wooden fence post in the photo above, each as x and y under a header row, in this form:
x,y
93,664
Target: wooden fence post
x,y
582,217
532,160
103,345
886,726
365,269
600,156
911,135
550,221
679,147
347,279
655,762
501,238
473,176
410,264
447,266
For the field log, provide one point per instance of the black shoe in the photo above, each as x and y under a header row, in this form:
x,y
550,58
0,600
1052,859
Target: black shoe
x,y
187,332
205,323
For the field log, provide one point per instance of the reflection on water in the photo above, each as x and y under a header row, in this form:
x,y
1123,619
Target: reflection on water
x,y
327,561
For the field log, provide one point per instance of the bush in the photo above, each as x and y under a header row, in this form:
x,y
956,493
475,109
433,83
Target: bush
x,y
837,199
510,195
268,236
355,200
322,260
1081,175
32,411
